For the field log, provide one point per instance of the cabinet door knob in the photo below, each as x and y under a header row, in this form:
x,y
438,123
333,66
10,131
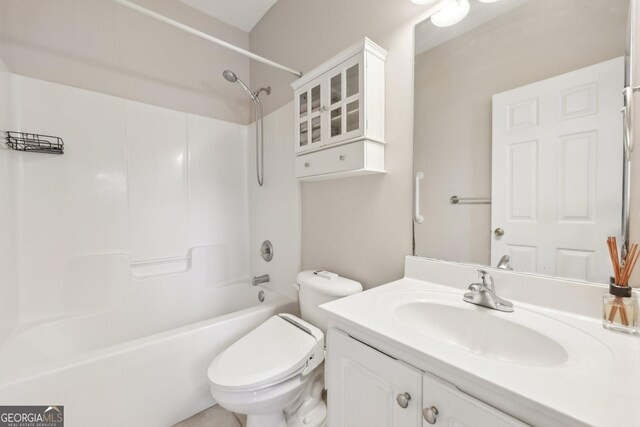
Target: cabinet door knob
x,y
306,165
403,399
430,414
341,157
498,232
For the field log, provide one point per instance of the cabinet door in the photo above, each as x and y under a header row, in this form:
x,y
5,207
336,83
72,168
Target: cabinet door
x,y
443,404
366,388
310,106
345,86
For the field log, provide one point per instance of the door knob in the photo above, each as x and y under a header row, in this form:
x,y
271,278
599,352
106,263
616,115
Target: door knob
x,y
498,232
403,399
430,414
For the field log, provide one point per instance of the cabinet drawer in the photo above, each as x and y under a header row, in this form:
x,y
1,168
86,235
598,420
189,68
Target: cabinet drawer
x,y
337,159
356,158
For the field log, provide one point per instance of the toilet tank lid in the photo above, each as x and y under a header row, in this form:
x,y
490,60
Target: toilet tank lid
x,y
326,283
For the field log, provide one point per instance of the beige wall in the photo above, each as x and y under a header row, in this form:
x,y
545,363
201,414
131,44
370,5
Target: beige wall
x,y
454,83
104,47
358,227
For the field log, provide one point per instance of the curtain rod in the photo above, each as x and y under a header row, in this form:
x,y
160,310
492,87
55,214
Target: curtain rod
x,y
205,36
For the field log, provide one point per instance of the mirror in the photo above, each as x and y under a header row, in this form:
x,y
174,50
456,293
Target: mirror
x,y
519,136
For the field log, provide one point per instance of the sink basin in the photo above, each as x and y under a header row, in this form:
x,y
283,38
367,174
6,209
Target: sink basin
x,y
481,331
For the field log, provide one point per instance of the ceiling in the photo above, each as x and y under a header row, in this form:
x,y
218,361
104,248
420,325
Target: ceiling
x,y
429,36
242,14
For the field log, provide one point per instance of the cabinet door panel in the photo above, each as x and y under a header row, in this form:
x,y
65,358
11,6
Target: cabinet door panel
x,y
363,386
456,408
345,91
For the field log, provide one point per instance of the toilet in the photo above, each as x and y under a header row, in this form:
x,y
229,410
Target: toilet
x,y
275,374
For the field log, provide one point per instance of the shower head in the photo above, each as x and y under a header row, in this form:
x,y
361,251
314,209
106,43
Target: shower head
x,y
231,76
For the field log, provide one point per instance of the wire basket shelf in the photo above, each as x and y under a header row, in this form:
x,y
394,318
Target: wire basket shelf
x,y
35,143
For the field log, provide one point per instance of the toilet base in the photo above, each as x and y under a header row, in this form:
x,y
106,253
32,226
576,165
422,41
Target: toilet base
x,y
271,420
316,417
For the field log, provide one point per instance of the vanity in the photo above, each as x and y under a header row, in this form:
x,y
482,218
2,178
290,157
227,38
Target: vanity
x,y
413,353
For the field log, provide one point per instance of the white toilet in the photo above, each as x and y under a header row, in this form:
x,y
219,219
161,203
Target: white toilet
x,y
274,374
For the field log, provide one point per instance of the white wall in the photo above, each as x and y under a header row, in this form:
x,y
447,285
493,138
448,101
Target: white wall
x,y
358,227
135,180
275,207
108,48
8,259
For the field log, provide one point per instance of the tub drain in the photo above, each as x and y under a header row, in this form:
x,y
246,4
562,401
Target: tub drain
x,y
261,296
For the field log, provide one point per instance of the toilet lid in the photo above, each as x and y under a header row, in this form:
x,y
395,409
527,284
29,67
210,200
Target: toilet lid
x,y
274,351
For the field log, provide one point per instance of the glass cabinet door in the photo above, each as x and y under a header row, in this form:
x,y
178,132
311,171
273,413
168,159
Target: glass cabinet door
x,y
345,94
309,120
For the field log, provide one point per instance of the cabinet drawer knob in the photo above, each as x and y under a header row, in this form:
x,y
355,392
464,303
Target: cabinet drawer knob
x,y
306,165
342,157
403,399
430,414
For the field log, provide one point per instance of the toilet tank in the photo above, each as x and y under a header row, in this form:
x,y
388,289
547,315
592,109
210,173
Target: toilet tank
x,y
318,287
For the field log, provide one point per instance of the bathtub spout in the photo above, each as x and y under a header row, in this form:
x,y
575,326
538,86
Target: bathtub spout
x,y
260,279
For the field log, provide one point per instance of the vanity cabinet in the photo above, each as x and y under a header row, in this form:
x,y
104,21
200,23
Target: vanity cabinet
x,y
342,102
367,388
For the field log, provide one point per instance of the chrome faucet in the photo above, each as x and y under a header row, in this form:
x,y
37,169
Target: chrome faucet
x,y
505,263
260,279
484,294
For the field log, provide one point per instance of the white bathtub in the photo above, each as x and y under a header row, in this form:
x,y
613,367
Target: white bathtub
x,y
141,366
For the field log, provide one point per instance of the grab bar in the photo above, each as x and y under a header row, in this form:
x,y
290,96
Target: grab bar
x,y
419,219
455,200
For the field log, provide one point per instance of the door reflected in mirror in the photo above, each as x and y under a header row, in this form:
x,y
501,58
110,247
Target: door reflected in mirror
x,y
519,135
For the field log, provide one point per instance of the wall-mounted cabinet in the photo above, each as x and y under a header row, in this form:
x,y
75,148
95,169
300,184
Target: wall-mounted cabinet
x,y
341,103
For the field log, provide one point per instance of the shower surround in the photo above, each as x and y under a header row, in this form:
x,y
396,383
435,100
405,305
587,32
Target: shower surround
x,y
134,247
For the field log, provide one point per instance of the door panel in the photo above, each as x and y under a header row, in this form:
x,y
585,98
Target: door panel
x,y
363,386
556,176
455,408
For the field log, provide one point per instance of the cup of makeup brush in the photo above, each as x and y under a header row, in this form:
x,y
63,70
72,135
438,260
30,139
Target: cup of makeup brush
x,y
620,309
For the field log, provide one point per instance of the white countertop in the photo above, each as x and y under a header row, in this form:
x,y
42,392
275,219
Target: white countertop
x,y
599,384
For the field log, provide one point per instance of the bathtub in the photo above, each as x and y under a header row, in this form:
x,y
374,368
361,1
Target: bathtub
x,y
136,366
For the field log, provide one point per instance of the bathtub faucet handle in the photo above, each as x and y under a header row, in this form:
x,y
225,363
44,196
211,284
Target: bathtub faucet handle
x,y
260,279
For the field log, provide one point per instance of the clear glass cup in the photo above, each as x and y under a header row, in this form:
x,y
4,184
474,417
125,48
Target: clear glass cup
x,y
620,310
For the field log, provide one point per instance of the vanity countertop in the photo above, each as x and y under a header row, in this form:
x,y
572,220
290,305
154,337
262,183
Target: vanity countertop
x,y
597,385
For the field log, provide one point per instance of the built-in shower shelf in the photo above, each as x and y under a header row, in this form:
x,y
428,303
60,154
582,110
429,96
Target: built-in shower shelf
x,y
160,267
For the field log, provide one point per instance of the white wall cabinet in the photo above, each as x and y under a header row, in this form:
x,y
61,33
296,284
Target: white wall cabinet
x,y
338,103
367,388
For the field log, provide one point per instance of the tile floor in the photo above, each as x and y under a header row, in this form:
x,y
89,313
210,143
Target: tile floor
x,y
216,416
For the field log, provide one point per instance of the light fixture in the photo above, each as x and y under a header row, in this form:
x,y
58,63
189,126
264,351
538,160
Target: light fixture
x,y
487,1
451,12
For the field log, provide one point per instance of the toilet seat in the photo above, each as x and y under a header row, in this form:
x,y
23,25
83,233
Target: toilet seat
x,y
279,349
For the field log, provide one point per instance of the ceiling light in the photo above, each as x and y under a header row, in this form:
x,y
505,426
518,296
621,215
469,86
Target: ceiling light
x,y
451,12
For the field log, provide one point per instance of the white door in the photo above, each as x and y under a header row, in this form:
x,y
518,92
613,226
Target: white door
x,y
447,406
556,173
366,388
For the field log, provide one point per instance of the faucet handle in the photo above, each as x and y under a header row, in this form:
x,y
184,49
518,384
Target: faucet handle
x,y
483,275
